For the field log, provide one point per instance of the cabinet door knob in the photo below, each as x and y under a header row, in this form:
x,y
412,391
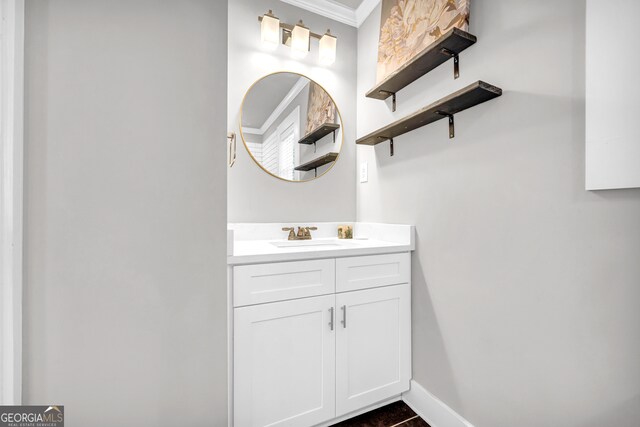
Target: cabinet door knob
x,y
331,317
344,316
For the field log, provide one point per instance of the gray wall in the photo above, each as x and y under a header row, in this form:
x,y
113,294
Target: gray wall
x,y
525,286
125,286
255,196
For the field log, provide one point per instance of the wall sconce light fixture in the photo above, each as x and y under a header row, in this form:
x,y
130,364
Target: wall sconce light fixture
x,y
328,48
298,37
300,42
270,30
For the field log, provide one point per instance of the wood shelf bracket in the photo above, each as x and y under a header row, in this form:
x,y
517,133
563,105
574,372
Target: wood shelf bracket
x,y
452,127
319,133
456,61
393,98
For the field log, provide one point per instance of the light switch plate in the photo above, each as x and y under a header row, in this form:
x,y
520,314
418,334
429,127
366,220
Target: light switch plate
x,y
364,172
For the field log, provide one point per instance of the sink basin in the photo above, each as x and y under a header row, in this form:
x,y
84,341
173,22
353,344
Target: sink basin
x,y
304,243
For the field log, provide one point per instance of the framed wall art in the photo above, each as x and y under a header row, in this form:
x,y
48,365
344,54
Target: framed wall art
x,y
407,27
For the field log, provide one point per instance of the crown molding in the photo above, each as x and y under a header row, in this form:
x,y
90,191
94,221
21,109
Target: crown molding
x,y
364,10
252,131
288,99
336,11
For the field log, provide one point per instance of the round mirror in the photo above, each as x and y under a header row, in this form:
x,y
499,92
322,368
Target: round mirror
x,y
291,126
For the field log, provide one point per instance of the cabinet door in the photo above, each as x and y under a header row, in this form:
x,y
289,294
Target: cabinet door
x,y
373,346
284,363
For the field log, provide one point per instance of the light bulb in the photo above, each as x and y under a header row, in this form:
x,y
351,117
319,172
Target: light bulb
x,y
327,52
300,40
270,30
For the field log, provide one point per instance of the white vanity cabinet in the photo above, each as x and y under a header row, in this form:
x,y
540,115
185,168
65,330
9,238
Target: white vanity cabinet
x,y
304,354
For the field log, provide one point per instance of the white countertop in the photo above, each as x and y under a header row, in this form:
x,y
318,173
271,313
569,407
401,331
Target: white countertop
x,y
259,243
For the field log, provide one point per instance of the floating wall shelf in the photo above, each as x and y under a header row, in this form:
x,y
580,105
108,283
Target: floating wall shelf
x,y
470,96
317,162
320,132
447,46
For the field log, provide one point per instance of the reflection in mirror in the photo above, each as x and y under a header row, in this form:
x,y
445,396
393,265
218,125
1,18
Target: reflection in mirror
x,y
291,126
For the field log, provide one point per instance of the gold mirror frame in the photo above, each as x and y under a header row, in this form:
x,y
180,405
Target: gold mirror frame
x,y
244,141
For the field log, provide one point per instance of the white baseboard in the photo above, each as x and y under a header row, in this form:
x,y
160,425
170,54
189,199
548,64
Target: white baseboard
x,y
431,409
359,411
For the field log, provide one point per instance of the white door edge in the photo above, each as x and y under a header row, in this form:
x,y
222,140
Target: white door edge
x,y
11,181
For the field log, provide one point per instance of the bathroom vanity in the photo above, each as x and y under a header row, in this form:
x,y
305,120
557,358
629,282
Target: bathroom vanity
x,y
320,329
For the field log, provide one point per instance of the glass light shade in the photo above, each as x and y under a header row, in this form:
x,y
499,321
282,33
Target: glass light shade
x,y
328,49
300,40
270,30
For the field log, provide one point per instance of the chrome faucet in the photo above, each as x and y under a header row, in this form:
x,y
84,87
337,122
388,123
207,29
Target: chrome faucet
x,y
304,233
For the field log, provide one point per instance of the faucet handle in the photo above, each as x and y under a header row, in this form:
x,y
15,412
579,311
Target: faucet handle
x,y
292,234
307,232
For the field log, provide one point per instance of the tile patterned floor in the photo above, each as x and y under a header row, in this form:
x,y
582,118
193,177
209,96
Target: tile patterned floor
x,y
396,414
